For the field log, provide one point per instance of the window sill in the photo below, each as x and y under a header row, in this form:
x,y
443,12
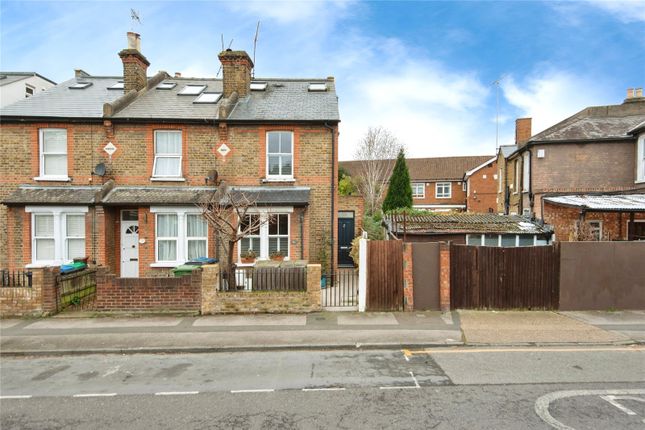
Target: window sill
x,y
156,179
640,181
53,178
444,198
166,264
265,180
41,265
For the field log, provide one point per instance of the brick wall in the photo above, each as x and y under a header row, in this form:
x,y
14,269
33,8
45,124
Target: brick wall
x,y
148,294
458,195
444,277
482,190
38,300
408,278
564,219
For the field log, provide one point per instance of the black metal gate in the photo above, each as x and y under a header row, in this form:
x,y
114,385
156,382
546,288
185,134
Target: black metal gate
x,y
339,289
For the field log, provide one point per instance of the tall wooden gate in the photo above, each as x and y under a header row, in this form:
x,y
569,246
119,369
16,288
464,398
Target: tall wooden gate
x,y
384,275
504,278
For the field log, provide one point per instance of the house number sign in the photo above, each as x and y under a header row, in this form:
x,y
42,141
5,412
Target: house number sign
x,y
110,149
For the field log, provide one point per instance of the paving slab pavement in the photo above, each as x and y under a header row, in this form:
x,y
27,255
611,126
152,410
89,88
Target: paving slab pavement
x,y
516,327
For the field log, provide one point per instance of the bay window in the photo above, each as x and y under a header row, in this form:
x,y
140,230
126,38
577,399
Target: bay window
x,y
57,234
181,234
279,155
168,155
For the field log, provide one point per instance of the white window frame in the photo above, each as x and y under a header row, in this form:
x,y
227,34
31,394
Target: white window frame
x,y
280,177
526,166
482,238
640,159
265,213
597,222
41,157
415,194
60,232
182,233
67,237
443,196
179,176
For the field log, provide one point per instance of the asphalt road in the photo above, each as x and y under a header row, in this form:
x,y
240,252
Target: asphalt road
x,y
575,388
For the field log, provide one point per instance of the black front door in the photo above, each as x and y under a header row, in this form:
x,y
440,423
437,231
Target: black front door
x,y
345,237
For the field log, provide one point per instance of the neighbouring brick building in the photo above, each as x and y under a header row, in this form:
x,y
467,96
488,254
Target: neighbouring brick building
x,y
437,183
599,150
481,187
112,167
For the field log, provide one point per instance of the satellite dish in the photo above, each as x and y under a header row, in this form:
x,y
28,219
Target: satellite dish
x,y
99,169
212,176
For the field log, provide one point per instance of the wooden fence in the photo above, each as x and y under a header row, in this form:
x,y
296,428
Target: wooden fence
x,y
504,278
385,275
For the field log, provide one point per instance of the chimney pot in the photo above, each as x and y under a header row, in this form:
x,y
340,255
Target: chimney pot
x,y
638,92
135,65
630,93
236,72
134,41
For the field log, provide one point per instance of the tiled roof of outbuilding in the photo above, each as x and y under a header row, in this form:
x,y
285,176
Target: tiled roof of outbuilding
x,y
464,223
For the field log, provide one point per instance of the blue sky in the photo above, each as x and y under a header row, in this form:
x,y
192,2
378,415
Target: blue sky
x,y
424,70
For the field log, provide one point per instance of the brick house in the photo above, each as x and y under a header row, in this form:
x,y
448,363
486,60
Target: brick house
x,y
597,151
112,167
437,183
481,187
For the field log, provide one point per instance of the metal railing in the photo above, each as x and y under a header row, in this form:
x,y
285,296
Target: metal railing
x,y
15,278
265,279
339,288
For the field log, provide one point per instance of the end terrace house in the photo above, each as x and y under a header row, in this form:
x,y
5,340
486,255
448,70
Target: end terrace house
x,y
111,167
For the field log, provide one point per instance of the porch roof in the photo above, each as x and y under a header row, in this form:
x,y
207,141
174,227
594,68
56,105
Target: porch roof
x,y
147,195
53,195
602,202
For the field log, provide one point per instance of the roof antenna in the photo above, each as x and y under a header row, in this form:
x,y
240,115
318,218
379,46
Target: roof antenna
x,y
222,36
255,44
496,83
134,16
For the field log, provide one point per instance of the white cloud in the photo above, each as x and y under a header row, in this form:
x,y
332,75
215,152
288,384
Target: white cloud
x,y
626,11
293,11
552,96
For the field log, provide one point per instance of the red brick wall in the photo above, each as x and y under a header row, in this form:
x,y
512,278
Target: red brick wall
x,y
37,300
408,278
148,294
458,196
482,190
444,277
355,204
564,219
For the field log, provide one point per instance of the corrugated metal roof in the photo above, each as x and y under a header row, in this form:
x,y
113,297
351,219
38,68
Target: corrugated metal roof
x,y
430,169
605,202
461,223
32,195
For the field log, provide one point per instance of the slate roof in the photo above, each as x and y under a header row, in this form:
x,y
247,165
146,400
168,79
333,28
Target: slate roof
x,y
283,100
431,169
7,78
464,223
603,202
596,123
159,195
507,150
27,195
62,102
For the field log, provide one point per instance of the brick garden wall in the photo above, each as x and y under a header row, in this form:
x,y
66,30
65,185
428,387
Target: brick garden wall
x,y
408,278
38,300
148,294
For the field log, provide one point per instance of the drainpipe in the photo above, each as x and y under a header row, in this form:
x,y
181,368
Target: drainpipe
x,y
333,184
302,234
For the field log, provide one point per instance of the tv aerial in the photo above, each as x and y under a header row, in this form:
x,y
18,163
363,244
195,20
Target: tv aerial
x,y
134,16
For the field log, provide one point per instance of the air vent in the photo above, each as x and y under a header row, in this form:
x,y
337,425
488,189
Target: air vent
x,y
80,85
118,86
317,86
258,86
166,86
192,90
208,98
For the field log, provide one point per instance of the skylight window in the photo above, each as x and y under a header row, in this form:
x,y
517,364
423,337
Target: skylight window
x,y
258,86
118,86
166,86
208,98
192,90
317,86
80,85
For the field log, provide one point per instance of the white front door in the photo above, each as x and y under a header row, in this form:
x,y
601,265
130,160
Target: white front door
x,y
129,249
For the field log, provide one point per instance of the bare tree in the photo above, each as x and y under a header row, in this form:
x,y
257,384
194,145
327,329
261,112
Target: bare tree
x,y
227,212
376,154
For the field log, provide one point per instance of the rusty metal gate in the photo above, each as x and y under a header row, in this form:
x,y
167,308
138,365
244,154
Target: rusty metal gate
x,y
384,275
484,277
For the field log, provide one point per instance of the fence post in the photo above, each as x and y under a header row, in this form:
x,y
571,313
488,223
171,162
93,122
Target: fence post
x,y
362,275
444,278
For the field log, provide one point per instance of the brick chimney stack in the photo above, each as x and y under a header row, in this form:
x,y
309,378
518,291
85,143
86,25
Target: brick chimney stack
x,y
522,131
135,65
236,68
